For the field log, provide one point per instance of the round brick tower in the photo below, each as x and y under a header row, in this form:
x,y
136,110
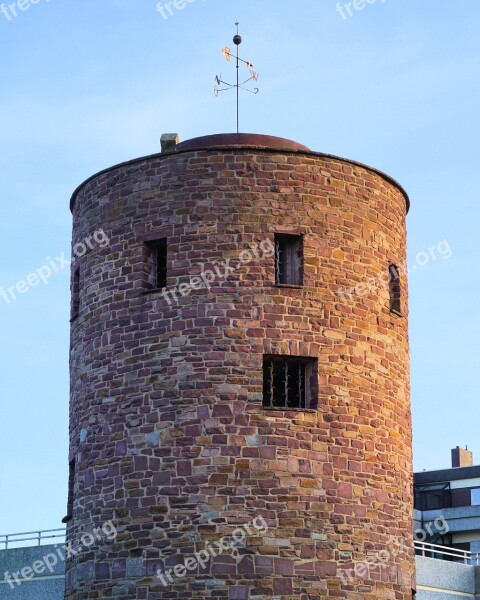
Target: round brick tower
x,y
240,420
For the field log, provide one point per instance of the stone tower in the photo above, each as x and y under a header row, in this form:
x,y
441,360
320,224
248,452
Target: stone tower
x,y
239,359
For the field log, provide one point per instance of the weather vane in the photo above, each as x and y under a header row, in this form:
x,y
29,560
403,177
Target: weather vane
x,y
227,53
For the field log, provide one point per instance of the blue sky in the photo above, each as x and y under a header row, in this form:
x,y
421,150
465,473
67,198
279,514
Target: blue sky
x,y
89,83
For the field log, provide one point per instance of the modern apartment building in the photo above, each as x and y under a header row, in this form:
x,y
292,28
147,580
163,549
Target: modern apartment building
x,y
452,496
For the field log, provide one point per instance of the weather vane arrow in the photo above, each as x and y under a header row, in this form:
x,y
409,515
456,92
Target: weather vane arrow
x,y
227,53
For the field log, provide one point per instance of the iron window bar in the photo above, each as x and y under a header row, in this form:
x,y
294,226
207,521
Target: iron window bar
x,y
285,382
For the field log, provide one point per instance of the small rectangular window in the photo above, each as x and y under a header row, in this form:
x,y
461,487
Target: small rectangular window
x,y
461,497
394,288
289,382
75,294
158,276
475,496
288,259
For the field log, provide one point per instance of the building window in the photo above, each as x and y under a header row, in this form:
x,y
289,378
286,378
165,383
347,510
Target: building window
x,y
71,485
394,287
461,497
475,496
288,259
75,294
433,496
289,382
158,253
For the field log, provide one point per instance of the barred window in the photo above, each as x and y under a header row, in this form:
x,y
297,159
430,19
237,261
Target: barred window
x,y
289,382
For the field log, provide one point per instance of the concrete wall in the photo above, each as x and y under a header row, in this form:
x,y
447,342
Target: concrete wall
x,y
444,580
47,584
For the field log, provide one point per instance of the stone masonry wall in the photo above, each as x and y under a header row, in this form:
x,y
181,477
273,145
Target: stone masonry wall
x,y
167,426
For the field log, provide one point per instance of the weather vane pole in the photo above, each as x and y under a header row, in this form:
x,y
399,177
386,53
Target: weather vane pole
x,y
227,53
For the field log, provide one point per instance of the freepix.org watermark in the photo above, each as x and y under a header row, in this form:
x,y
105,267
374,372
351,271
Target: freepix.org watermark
x,y
358,5
383,279
52,266
201,558
62,553
14,9
438,526
383,559
220,270
166,9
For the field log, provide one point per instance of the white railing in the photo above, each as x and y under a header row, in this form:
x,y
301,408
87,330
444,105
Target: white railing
x,y
436,551
34,536
428,550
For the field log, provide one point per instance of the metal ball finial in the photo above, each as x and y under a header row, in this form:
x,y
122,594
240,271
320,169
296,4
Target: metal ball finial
x,y
237,40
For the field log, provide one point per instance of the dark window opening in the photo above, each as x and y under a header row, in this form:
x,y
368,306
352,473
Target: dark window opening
x,y
75,293
434,496
158,276
71,485
395,291
288,259
289,382
465,497
461,497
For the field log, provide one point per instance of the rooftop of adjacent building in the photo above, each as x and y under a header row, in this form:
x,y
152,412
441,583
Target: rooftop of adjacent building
x,y
462,467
